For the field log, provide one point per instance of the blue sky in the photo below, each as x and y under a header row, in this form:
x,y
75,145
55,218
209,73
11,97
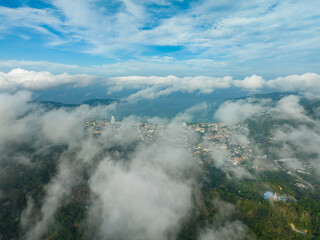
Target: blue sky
x,y
248,34
114,38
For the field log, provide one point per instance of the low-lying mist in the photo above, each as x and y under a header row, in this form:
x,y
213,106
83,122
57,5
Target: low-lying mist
x,y
128,188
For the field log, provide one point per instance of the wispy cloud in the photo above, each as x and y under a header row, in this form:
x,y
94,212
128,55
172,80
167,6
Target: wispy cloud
x,y
221,31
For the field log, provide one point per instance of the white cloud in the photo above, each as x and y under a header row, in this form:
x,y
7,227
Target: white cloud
x,y
234,32
148,87
31,80
302,139
231,230
134,192
222,228
29,17
289,108
252,82
160,66
220,156
235,112
155,86
308,83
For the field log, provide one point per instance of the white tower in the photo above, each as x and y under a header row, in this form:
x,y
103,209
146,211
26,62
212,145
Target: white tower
x,y
113,121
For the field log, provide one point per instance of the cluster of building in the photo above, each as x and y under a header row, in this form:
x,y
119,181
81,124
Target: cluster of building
x,y
218,136
99,125
211,136
148,132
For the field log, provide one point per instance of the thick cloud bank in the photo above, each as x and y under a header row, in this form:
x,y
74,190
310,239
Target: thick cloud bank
x,y
154,86
23,79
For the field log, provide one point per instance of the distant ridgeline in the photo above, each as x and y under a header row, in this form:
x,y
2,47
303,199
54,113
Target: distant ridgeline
x,y
274,96
90,102
97,101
